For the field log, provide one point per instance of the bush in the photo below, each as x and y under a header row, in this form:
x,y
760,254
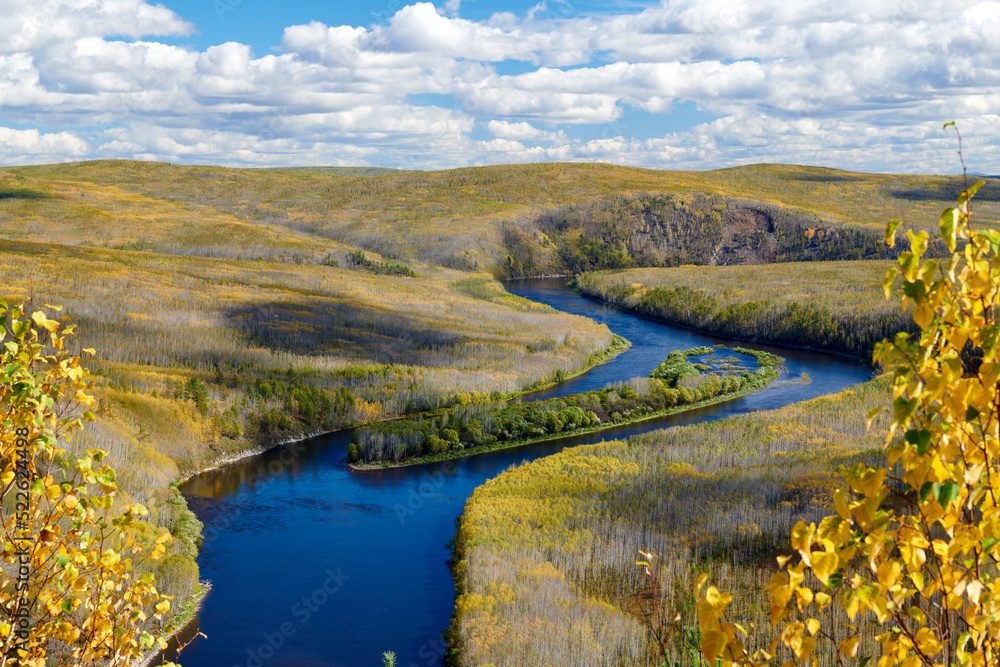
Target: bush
x,y
435,445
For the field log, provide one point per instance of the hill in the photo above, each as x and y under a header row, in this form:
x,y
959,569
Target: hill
x,y
488,218
233,309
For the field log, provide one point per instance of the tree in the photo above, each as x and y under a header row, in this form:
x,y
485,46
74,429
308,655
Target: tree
x,y
71,592
914,542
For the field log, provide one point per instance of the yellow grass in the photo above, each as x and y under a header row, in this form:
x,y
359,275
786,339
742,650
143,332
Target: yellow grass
x,y
553,543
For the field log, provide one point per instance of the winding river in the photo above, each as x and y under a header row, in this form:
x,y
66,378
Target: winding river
x,y
314,566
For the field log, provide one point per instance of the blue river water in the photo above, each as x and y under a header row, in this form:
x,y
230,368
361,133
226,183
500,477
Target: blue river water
x,y
312,565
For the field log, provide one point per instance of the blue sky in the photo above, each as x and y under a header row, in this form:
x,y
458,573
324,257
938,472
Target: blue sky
x,y
673,84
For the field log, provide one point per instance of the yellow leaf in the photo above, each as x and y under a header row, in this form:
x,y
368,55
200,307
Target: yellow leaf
x,y
823,565
927,641
917,614
85,399
805,649
923,314
849,647
44,322
713,643
813,626
700,583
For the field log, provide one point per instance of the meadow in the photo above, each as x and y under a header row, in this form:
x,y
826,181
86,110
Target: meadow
x,y
835,306
546,552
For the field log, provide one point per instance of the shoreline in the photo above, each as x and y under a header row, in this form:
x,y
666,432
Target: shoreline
x,y
688,327
617,346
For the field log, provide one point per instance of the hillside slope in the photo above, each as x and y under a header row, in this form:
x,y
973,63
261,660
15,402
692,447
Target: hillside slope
x,y
471,218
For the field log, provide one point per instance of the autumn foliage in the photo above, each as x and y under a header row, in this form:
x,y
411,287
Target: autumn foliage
x,y
912,545
71,591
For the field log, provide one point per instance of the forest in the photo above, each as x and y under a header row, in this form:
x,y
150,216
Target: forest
x,y
466,429
835,306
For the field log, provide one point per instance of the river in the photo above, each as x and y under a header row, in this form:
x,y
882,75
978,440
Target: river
x,y
312,565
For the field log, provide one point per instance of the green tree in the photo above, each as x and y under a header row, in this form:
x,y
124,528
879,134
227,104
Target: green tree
x,y
450,435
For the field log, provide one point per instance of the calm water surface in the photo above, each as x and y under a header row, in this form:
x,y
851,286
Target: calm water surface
x,y
312,565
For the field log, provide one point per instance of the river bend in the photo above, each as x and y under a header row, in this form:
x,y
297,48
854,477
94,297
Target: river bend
x,y
314,566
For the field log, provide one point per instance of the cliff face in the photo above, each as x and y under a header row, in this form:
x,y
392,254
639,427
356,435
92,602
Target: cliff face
x,y
650,230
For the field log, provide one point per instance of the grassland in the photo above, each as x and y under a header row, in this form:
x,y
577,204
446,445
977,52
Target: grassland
x,y
545,557
835,306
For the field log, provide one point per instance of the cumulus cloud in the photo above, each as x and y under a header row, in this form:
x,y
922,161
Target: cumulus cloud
x,y
34,147
858,83
502,129
40,23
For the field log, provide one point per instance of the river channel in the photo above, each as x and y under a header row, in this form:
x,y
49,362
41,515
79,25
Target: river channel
x,y
314,566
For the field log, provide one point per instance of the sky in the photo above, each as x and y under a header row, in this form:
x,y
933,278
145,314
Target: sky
x,y
677,84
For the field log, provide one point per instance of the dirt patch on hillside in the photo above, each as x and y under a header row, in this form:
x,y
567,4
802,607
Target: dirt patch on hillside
x,y
748,237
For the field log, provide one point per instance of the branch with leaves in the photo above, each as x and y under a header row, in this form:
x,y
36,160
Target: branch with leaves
x,y
70,593
913,544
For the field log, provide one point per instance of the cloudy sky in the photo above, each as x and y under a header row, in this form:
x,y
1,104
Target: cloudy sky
x,y
855,84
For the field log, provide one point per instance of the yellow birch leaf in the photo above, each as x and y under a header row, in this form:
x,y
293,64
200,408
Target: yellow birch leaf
x,y
927,642
849,647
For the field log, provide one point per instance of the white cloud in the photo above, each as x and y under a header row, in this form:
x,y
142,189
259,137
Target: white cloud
x,y
857,83
39,23
34,147
502,129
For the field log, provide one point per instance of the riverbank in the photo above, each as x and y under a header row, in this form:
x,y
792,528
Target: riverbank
x,y
618,345
186,623
710,332
781,308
